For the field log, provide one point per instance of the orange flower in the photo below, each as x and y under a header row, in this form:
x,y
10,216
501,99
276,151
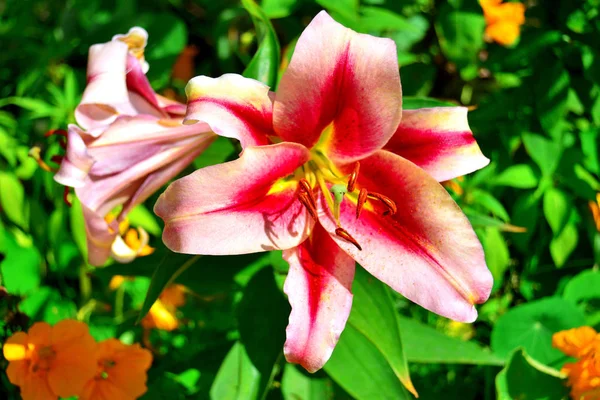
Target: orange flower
x,y
162,313
121,372
48,362
503,20
584,374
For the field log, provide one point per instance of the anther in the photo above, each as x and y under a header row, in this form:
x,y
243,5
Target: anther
x,y
51,132
66,196
304,199
362,199
341,232
389,203
305,187
34,153
57,159
353,177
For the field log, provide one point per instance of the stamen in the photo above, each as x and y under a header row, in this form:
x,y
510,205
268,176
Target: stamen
x,y
60,132
353,177
362,199
389,203
341,232
338,192
57,159
305,187
304,199
66,196
34,153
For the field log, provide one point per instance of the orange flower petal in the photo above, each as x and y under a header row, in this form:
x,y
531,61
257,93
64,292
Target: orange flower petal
x,y
173,295
17,372
505,33
15,347
575,342
40,334
35,387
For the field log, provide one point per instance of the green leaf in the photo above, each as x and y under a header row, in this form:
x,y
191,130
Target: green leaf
x,y
525,213
21,267
519,176
278,8
78,227
298,384
165,273
460,34
591,149
374,316
488,202
265,63
532,325
551,92
47,304
557,209
424,344
563,245
348,9
583,287
546,153
412,103
12,199
221,150
360,368
140,216
497,256
524,378
238,378
479,220
262,317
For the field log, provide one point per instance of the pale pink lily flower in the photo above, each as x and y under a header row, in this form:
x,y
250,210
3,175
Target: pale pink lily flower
x,y
129,142
333,125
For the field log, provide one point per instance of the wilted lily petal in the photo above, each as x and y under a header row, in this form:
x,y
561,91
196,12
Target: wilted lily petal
x,y
236,207
427,250
338,104
134,140
438,140
343,80
318,286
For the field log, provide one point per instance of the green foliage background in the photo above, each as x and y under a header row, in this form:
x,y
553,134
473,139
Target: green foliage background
x,y
536,116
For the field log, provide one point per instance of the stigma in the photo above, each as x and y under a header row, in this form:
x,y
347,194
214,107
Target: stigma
x,y
335,190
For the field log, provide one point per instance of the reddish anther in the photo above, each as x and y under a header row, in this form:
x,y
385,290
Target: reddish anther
x,y
362,199
353,178
304,199
66,196
341,232
51,132
57,159
305,187
389,203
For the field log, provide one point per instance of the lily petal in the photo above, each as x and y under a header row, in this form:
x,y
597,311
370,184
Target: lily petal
x,y
438,140
233,106
237,207
100,236
337,76
318,286
427,251
77,163
106,94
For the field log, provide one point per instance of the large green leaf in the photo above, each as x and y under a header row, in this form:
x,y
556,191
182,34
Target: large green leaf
x,y
262,317
563,245
532,325
12,199
298,384
373,315
424,344
519,176
265,63
583,287
524,378
238,378
21,267
360,368
497,255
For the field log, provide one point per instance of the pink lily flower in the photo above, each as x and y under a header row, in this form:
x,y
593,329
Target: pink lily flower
x,y
129,142
332,175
